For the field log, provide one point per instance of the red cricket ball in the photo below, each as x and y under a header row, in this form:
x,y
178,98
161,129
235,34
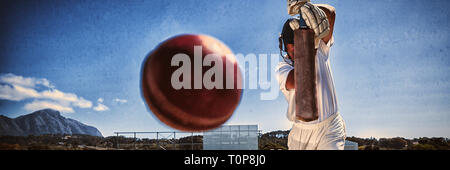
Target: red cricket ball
x,y
197,108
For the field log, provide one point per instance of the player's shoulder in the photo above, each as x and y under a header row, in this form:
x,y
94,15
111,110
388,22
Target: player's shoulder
x,y
283,65
286,26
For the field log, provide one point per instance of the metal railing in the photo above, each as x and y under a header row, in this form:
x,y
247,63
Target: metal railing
x,y
166,140
163,140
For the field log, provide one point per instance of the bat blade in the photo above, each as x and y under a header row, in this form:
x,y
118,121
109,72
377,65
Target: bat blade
x,y
306,108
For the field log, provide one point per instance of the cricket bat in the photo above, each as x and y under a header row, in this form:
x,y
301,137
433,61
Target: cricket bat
x,y
306,107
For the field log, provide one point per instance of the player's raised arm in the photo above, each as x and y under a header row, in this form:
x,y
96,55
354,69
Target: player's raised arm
x,y
330,12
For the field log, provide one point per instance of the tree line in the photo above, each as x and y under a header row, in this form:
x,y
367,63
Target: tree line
x,y
275,140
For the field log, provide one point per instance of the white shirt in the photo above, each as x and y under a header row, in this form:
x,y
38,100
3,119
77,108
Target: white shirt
x,y
326,94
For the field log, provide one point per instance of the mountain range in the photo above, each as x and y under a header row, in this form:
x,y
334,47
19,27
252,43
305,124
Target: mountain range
x,y
46,121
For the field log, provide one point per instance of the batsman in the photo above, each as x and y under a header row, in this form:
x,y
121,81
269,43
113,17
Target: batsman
x,y
306,79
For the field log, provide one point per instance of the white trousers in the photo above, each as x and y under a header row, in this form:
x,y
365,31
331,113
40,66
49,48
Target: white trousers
x,y
326,135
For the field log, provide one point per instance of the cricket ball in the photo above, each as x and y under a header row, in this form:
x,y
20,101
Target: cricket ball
x,y
206,98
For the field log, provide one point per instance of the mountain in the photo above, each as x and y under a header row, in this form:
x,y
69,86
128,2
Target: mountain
x,y
46,121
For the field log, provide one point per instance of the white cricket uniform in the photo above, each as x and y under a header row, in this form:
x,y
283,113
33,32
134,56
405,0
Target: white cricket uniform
x,y
328,131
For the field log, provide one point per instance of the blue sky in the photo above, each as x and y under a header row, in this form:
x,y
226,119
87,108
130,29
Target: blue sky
x,y
390,60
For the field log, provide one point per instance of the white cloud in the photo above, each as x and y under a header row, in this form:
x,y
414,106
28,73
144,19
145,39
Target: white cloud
x,y
100,107
37,105
83,103
59,95
24,81
120,100
16,92
18,88
100,100
66,97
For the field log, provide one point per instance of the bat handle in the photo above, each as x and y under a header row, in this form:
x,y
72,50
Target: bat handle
x,y
302,22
